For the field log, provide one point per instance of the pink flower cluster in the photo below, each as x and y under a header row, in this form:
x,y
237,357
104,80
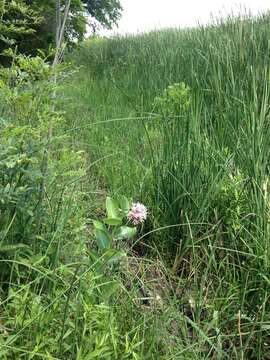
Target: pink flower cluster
x,y
137,213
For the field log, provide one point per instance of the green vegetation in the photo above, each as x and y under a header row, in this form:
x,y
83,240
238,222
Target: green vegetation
x,y
177,120
30,25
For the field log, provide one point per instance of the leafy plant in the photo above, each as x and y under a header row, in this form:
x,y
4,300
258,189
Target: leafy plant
x,y
114,229
174,101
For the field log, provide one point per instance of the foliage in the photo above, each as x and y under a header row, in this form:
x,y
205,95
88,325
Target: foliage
x,y
116,211
231,202
111,237
27,112
56,299
17,23
30,24
174,100
103,13
186,129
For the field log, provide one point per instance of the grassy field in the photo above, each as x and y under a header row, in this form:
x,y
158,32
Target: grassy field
x,y
197,154
179,121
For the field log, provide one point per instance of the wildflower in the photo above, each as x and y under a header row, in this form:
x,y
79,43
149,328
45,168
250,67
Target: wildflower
x,y
137,213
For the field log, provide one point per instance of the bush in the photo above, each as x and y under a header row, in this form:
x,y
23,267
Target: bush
x,y
32,177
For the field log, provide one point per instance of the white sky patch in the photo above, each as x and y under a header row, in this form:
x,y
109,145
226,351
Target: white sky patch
x,y
145,15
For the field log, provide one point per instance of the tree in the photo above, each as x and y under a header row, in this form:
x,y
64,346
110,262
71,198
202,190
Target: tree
x,y
32,23
104,13
17,22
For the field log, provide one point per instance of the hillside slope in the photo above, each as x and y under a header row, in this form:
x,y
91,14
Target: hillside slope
x,y
179,120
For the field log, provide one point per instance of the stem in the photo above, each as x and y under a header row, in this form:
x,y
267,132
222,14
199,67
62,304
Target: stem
x,y
60,32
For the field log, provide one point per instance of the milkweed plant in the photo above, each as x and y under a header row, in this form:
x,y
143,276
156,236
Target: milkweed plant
x,y
123,217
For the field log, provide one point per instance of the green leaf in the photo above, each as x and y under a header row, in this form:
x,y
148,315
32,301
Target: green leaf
x,y
125,232
12,248
124,204
112,208
103,239
98,225
113,221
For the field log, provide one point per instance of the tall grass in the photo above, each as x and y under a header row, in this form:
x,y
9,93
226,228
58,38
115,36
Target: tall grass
x,y
55,301
203,171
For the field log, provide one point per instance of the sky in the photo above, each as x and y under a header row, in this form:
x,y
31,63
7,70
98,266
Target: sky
x,y
145,15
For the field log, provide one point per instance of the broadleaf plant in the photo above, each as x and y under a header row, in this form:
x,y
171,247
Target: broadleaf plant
x,y
114,227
